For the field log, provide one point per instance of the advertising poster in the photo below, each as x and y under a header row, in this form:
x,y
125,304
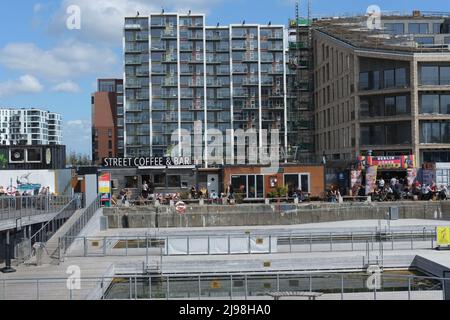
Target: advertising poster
x,y
355,180
371,179
387,162
104,188
412,176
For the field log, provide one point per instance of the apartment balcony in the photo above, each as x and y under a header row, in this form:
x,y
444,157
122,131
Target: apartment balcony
x,y
223,48
169,35
212,60
195,83
186,48
195,36
142,97
240,70
169,59
142,73
141,37
277,70
250,59
214,83
251,82
267,82
276,36
159,48
275,48
131,84
129,48
133,27
195,60
240,94
130,62
169,83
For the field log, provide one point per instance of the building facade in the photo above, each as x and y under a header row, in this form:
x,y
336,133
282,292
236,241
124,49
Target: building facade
x,y
179,71
385,90
107,120
29,127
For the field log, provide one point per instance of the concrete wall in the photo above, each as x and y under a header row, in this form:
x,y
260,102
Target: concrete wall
x,y
258,214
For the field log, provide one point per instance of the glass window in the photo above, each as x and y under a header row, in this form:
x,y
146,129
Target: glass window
x,y
400,77
444,76
34,155
447,40
429,75
395,28
174,181
131,182
239,184
364,80
389,104
304,179
436,28
389,78
424,40
401,105
445,104
418,28
446,132
291,182
429,103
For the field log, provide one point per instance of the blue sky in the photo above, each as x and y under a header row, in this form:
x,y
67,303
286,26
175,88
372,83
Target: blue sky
x,y
43,64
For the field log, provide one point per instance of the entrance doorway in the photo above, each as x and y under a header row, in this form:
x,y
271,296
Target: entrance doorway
x,y
213,183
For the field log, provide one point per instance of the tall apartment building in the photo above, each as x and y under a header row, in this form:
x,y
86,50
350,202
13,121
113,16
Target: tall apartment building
x,y
107,120
29,127
300,87
178,70
385,90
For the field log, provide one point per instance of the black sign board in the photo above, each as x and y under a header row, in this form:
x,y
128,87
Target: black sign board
x,y
146,162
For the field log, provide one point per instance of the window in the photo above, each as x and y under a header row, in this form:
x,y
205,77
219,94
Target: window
x,y
429,104
159,180
34,155
110,144
389,78
447,40
434,132
395,28
109,133
400,77
429,75
436,28
418,28
131,182
174,181
296,182
251,186
424,40
444,75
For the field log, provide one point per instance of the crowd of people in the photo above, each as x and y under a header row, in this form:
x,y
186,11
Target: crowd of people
x,y
397,189
147,195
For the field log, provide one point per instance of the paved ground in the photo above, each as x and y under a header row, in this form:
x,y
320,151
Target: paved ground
x,y
23,287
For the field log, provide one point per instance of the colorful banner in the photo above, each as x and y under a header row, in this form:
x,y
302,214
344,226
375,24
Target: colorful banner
x,y
412,176
355,178
371,179
394,162
104,188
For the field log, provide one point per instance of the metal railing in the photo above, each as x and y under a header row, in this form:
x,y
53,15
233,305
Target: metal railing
x,y
79,225
20,207
334,286
269,243
51,227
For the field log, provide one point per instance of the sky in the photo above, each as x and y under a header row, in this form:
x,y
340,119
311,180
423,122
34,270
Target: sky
x,y
44,64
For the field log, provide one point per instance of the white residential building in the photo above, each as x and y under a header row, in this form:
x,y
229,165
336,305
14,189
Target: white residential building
x,y
29,127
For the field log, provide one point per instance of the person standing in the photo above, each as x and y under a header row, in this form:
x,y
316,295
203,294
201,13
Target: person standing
x,y
145,190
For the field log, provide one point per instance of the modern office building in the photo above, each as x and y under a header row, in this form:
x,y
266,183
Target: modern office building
x,y
178,70
385,90
29,127
107,120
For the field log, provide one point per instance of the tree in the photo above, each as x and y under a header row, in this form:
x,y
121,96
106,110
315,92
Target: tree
x,y
78,159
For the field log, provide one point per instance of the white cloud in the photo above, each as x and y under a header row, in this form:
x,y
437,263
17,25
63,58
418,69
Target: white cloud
x,y
102,20
70,59
77,136
25,84
67,86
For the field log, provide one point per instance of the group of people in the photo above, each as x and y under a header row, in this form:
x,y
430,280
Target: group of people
x,y
396,189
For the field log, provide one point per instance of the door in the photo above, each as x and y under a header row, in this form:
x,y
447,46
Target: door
x,y
213,184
